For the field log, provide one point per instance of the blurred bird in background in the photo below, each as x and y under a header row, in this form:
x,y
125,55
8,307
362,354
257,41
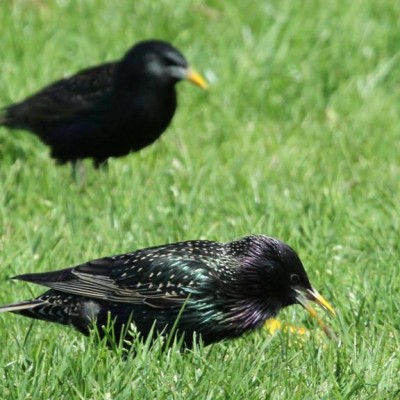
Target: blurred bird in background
x,y
108,110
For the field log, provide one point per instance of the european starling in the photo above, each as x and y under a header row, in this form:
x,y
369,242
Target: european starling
x,y
207,289
108,110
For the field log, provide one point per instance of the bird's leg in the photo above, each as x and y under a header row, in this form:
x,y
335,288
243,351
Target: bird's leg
x,y
100,163
78,171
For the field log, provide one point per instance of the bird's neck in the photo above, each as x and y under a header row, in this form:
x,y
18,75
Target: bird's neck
x,y
246,314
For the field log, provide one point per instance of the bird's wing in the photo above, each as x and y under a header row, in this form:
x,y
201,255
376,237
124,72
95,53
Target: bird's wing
x,y
79,93
149,277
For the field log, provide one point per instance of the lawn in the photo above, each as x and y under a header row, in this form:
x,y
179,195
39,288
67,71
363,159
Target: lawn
x,y
298,138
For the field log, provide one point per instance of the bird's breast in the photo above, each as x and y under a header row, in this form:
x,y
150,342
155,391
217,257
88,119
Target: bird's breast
x,y
139,120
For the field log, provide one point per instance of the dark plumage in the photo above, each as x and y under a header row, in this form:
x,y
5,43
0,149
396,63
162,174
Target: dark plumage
x,y
222,290
108,110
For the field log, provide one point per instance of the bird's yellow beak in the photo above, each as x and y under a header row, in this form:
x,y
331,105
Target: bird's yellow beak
x,y
196,78
304,298
314,296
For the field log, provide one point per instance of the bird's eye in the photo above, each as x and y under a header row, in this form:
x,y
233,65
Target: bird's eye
x,y
295,279
170,61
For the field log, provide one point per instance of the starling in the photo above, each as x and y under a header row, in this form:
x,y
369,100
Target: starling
x,y
108,110
197,289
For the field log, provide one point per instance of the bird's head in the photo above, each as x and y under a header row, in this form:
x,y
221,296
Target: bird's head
x,y
158,62
275,276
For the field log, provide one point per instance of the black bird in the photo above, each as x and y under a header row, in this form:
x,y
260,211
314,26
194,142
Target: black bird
x,y
210,290
108,110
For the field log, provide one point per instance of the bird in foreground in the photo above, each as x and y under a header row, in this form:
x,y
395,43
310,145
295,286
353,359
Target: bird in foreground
x,y
108,110
196,289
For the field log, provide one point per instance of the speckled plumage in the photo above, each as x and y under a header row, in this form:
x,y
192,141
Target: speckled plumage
x,y
108,110
222,290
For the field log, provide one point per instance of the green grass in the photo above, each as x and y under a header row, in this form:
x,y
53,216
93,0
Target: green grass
x,y
297,138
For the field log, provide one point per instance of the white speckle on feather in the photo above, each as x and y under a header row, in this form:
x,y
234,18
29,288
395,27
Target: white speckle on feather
x,y
90,309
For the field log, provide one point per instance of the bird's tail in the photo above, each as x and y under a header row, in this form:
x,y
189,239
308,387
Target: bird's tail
x,y
21,305
3,118
10,116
